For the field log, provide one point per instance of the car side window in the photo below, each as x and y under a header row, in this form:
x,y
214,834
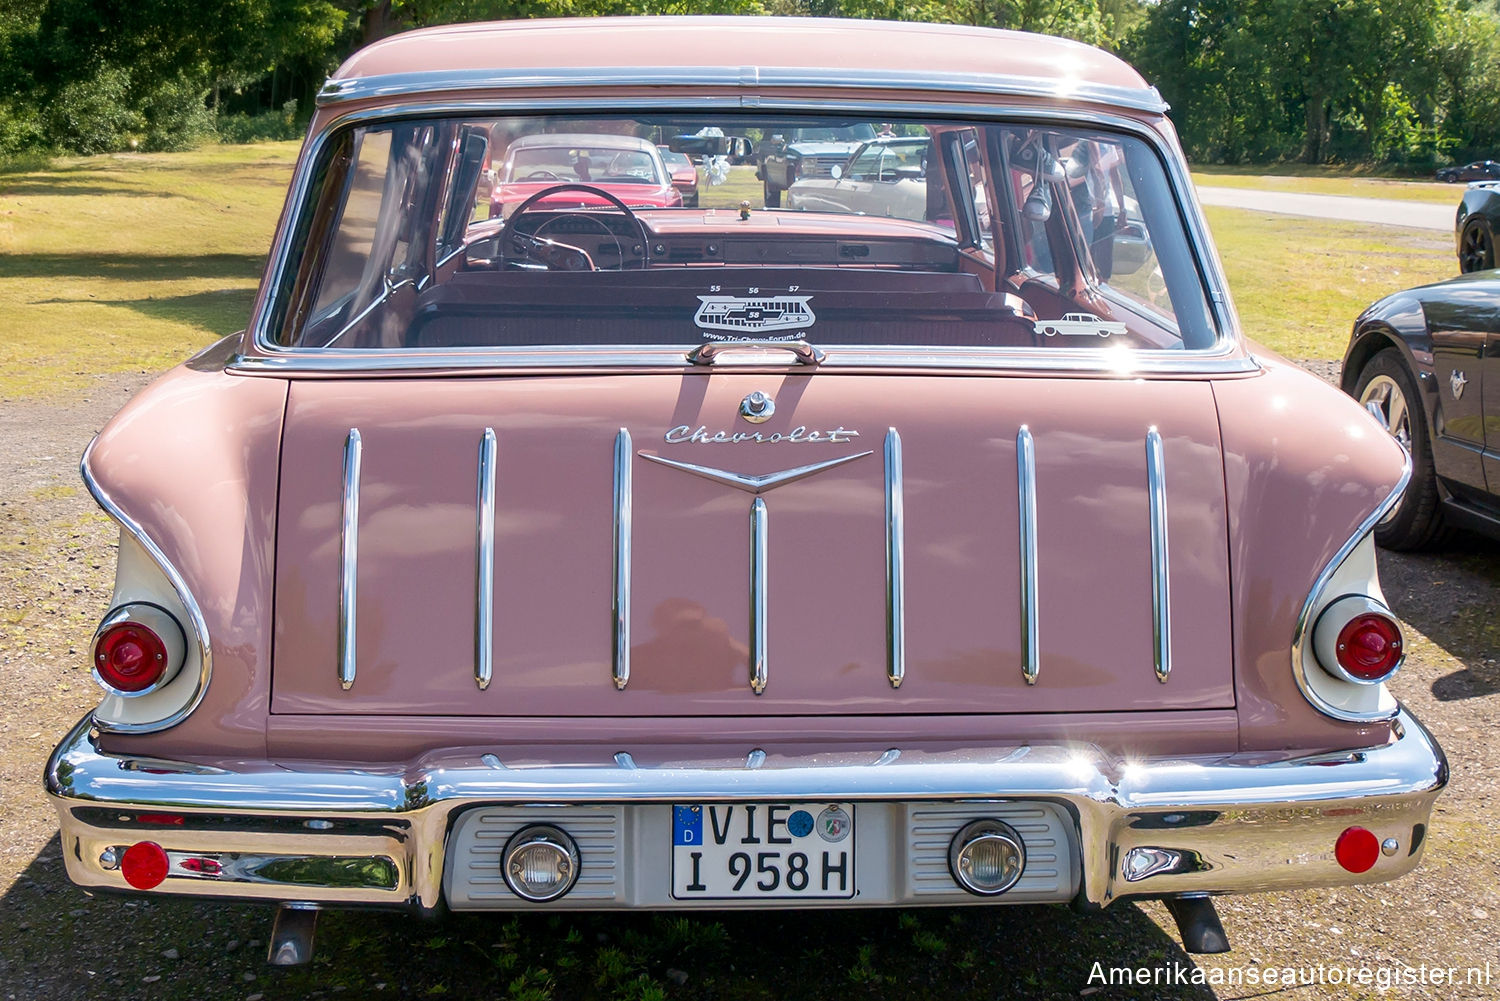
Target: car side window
x,y
349,253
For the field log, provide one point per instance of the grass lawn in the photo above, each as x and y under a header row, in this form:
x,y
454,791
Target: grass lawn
x,y
1299,283
132,262
1323,181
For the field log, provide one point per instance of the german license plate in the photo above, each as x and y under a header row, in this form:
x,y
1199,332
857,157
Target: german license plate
x,y
762,850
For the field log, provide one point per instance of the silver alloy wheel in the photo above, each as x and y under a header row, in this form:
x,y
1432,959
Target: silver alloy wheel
x,y
1385,401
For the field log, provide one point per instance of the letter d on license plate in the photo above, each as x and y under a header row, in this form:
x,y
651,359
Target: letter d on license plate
x,y
757,850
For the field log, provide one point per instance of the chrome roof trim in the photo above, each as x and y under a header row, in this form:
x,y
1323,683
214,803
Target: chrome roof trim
x,y
395,85
179,585
1224,357
1303,633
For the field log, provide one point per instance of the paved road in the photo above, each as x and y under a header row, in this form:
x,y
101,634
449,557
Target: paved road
x,y
1411,215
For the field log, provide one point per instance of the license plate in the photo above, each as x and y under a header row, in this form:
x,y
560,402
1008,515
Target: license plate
x,y
762,850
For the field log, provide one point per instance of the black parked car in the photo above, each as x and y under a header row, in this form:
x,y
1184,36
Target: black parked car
x,y
1478,219
1479,170
1426,363
786,156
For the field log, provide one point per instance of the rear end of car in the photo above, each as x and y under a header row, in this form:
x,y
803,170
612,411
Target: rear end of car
x,y
607,556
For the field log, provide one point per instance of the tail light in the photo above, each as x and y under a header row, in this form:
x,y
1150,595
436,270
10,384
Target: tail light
x,y
1357,849
144,865
139,647
1357,639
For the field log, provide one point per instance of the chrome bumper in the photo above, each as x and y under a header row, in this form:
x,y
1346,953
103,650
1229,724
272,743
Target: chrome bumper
x,y
287,831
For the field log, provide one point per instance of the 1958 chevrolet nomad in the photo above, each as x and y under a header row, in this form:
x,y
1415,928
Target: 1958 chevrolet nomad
x,y
599,556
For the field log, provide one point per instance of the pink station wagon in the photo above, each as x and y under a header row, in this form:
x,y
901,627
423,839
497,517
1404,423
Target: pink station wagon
x,y
602,555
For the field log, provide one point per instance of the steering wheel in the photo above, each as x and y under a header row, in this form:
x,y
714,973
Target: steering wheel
x,y
509,231
542,175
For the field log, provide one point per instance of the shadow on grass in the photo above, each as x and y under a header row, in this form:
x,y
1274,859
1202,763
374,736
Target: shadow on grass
x,y
1450,594
101,187
65,945
133,267
218,310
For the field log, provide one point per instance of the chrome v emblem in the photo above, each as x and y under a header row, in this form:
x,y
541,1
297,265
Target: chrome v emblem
x,y
753,484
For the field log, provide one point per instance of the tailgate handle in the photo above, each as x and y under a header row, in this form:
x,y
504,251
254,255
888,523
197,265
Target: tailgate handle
x,y
706,354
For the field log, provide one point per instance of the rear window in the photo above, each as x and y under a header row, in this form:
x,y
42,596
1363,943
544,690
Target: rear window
x,y
557,231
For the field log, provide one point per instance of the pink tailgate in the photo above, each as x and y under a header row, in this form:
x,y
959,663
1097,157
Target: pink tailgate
x,y
826,643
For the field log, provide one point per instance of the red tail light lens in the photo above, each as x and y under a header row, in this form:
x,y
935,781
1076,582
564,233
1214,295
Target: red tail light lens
x,y
1357,849
129,657
144,865
1369,646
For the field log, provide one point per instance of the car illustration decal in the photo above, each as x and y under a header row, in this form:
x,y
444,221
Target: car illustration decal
x,y
754,314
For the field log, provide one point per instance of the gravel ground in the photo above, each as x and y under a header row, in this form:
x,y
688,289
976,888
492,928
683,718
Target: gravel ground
x,y
56,563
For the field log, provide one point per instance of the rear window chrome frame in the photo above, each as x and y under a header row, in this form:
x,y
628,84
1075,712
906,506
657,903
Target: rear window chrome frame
x,y
260,356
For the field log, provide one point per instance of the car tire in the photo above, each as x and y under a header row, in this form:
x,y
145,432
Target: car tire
x,y
773,196
1476,246
1386,388
1448,178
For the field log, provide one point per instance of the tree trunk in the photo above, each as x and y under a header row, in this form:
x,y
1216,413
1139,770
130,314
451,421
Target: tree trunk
x,y
1317,129
378,22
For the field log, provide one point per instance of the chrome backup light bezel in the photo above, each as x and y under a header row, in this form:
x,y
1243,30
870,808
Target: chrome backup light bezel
x,y
1344,609
541,834
972,833
156,620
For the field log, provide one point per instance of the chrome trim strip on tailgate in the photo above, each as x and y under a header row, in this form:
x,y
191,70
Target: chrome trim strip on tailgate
x,y
349,559
1161,578
621,610
758,546
484,591
1026,487
895,559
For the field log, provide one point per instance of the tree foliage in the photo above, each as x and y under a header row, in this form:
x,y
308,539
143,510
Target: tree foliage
x,y
1390,80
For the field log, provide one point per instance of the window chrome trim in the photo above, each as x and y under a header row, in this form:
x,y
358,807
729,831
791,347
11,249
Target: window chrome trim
x,y
179,586
1302,635
1226,356
393,85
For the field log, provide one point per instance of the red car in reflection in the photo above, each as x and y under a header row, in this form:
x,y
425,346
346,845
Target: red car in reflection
x,y
684,175
631,169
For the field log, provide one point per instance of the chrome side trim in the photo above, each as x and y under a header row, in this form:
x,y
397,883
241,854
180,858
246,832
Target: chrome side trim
x,y
1222,359
1026,488
390,85
753,484
759,529
484,591
1161,577
179,586
895,561
1302,635
349,560
623,514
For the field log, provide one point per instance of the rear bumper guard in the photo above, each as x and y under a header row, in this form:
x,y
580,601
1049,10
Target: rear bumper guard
x,y
294,832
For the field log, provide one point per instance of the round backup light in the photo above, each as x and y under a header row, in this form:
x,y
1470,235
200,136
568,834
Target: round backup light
x,y
129,657
1357,849
144,865
986,857
540,862
1369,646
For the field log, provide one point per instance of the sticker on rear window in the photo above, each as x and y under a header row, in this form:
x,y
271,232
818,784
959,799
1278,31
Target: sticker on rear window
x,y
736,317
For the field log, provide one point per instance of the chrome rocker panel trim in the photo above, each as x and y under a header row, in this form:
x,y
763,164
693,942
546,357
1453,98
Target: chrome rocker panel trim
x,y
1237,823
